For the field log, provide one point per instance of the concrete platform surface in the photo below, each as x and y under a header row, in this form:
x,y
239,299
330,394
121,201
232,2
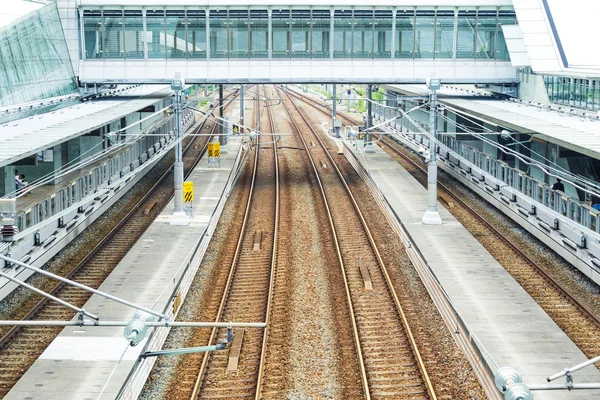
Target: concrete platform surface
x,y
80,361
507,321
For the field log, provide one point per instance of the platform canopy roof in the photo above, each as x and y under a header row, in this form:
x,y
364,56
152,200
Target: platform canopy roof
x,y
27,136
568,131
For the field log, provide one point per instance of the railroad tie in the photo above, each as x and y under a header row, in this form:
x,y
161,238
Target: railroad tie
x,y
257,239
234,352
149,208
364,271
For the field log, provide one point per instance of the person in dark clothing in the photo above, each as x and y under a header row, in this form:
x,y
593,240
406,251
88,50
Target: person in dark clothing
x,y
558,185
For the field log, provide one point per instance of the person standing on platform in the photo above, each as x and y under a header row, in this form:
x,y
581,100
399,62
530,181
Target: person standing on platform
x,y
558,185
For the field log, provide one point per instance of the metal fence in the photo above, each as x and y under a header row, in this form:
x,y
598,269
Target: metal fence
x,y
99,177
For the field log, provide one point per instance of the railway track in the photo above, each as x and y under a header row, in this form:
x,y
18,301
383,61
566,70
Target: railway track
x,y
388,357
21,346
248,292
575,319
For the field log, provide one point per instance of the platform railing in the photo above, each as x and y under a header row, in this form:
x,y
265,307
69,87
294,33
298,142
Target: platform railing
x,y
99,177
538,191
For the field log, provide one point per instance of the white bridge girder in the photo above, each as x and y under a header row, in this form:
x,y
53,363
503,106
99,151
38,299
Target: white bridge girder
x,y
296,71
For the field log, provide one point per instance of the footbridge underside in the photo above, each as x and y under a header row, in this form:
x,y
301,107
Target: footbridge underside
x,y
296,71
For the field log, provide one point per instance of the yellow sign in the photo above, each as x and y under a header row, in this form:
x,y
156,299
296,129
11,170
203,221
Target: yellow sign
x,y
177,302
188,191
214,149
236,129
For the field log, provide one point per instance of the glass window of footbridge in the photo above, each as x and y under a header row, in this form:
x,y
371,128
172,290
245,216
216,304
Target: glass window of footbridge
x,y
134,34
196,34
219,33
280,24
362,37
342,34
505,17
113,34
92,33
424,34
382,33
321,28
238,34
155,33
486,34
259,33
405,34
444,33
467,27
300,33
175,34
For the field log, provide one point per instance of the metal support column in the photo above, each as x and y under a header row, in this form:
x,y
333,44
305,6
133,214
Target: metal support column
x,y
432,217
241,108
335,128
180,217
222,131
368,136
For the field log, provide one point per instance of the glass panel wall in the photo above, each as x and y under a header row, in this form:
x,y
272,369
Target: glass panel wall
x,y
113,34
176,36
467,26
342,34
34,59
360,34
300,33
486,35
572,92
362,42
134,34
155,34
444,34
505,17
92,33
219,34
405,34
281,33
382,31
196,34
238,34
259,33
321,27
425,33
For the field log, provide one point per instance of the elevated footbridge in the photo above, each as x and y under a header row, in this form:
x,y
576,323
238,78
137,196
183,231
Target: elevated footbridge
x,y
217,41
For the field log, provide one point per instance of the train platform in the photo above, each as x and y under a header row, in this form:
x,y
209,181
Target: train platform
x,y
511,326
95,362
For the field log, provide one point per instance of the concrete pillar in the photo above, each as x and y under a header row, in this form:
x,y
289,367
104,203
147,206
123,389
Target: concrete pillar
x,y
242,108
432,217
178,178
222,131
334,127
368,137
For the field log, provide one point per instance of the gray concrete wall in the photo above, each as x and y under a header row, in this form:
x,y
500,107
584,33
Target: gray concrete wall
x,y
532,88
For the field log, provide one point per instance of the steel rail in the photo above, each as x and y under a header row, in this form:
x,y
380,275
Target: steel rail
x,y
422,268
7,337
391,289
228,284
261,369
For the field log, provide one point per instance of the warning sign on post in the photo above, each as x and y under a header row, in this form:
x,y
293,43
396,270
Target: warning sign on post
x,y
214,149
214,154
236,129
188,191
